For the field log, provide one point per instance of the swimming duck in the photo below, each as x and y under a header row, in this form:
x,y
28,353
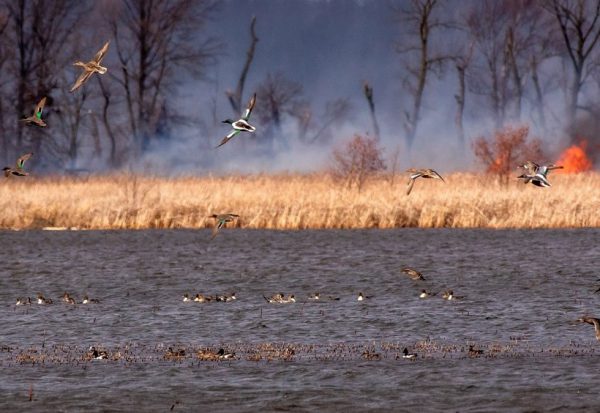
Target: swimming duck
x,y
186,298
87,300
537,174
594,321
209,355
362,297
314,297
91,67
202,299
240,125
289,299
413,274
174,354
36,118
449,295
421,173
426,294
473,352
66,297
407,355
23,301
96,354
222,219
42,300
18,171
225,297
275,298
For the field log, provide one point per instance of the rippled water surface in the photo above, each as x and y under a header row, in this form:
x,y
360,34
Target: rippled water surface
x,y
522,292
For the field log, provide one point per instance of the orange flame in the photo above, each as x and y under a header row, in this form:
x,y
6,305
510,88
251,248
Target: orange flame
x,y
574,159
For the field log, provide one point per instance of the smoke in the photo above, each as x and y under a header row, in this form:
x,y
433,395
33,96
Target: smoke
x,y
331,47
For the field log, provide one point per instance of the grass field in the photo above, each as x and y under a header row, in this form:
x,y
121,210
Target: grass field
x,y
297,202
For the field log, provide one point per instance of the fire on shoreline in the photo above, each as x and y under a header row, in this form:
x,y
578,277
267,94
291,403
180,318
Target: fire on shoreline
x,y
574,159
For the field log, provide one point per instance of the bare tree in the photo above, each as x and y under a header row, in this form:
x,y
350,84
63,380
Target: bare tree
x,y
579,24
357,160
277,96
157,43
368,91
461,63
419,17
509,146
38,31
235,98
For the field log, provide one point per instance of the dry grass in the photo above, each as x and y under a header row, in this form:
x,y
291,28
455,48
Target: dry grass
x,y
297,202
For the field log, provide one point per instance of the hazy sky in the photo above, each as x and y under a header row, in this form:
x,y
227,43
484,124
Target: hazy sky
x,y
331,47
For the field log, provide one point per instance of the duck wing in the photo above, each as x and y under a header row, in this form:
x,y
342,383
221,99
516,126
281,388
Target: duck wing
x,y
434,174
249,108
228,137
81,80
101,53
40,107
21,161
411,183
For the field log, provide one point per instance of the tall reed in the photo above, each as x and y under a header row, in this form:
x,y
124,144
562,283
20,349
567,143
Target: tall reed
x,y
297,202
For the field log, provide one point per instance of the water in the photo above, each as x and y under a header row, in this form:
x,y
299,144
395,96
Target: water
x,y
522,292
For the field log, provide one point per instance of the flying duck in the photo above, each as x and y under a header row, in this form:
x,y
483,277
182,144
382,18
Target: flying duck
x,y
36,118
420,173
537,174
594,321
91,67
221,220
413,274
240,125
18,171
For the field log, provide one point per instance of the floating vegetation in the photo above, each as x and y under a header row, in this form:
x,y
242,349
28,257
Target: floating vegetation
x,y
283,352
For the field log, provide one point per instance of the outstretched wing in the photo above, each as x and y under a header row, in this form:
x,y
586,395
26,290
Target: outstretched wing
x,y
101,53
249,108
81,80
39,108
228,137
436,174
21,161
411,183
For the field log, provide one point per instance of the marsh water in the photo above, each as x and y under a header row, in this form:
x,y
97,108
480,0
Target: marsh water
x,y
522,292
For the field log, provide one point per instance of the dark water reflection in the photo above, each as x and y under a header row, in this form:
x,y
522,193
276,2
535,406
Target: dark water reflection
x,y
525,284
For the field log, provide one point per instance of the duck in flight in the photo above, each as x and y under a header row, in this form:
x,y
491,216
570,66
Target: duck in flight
x,y
18,171
91,67
537,174
36,118
413,274
594,321
421,173
240,125
222,219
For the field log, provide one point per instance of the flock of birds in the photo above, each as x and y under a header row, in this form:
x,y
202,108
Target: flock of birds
x,y
66,298
534,173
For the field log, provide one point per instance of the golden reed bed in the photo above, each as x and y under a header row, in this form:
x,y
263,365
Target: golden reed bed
x,y
297,202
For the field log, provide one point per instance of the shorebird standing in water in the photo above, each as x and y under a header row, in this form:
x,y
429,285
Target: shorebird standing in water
x,y
240,125
594,321
421,173
36,118
18,171
413,274
222,219
91,67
